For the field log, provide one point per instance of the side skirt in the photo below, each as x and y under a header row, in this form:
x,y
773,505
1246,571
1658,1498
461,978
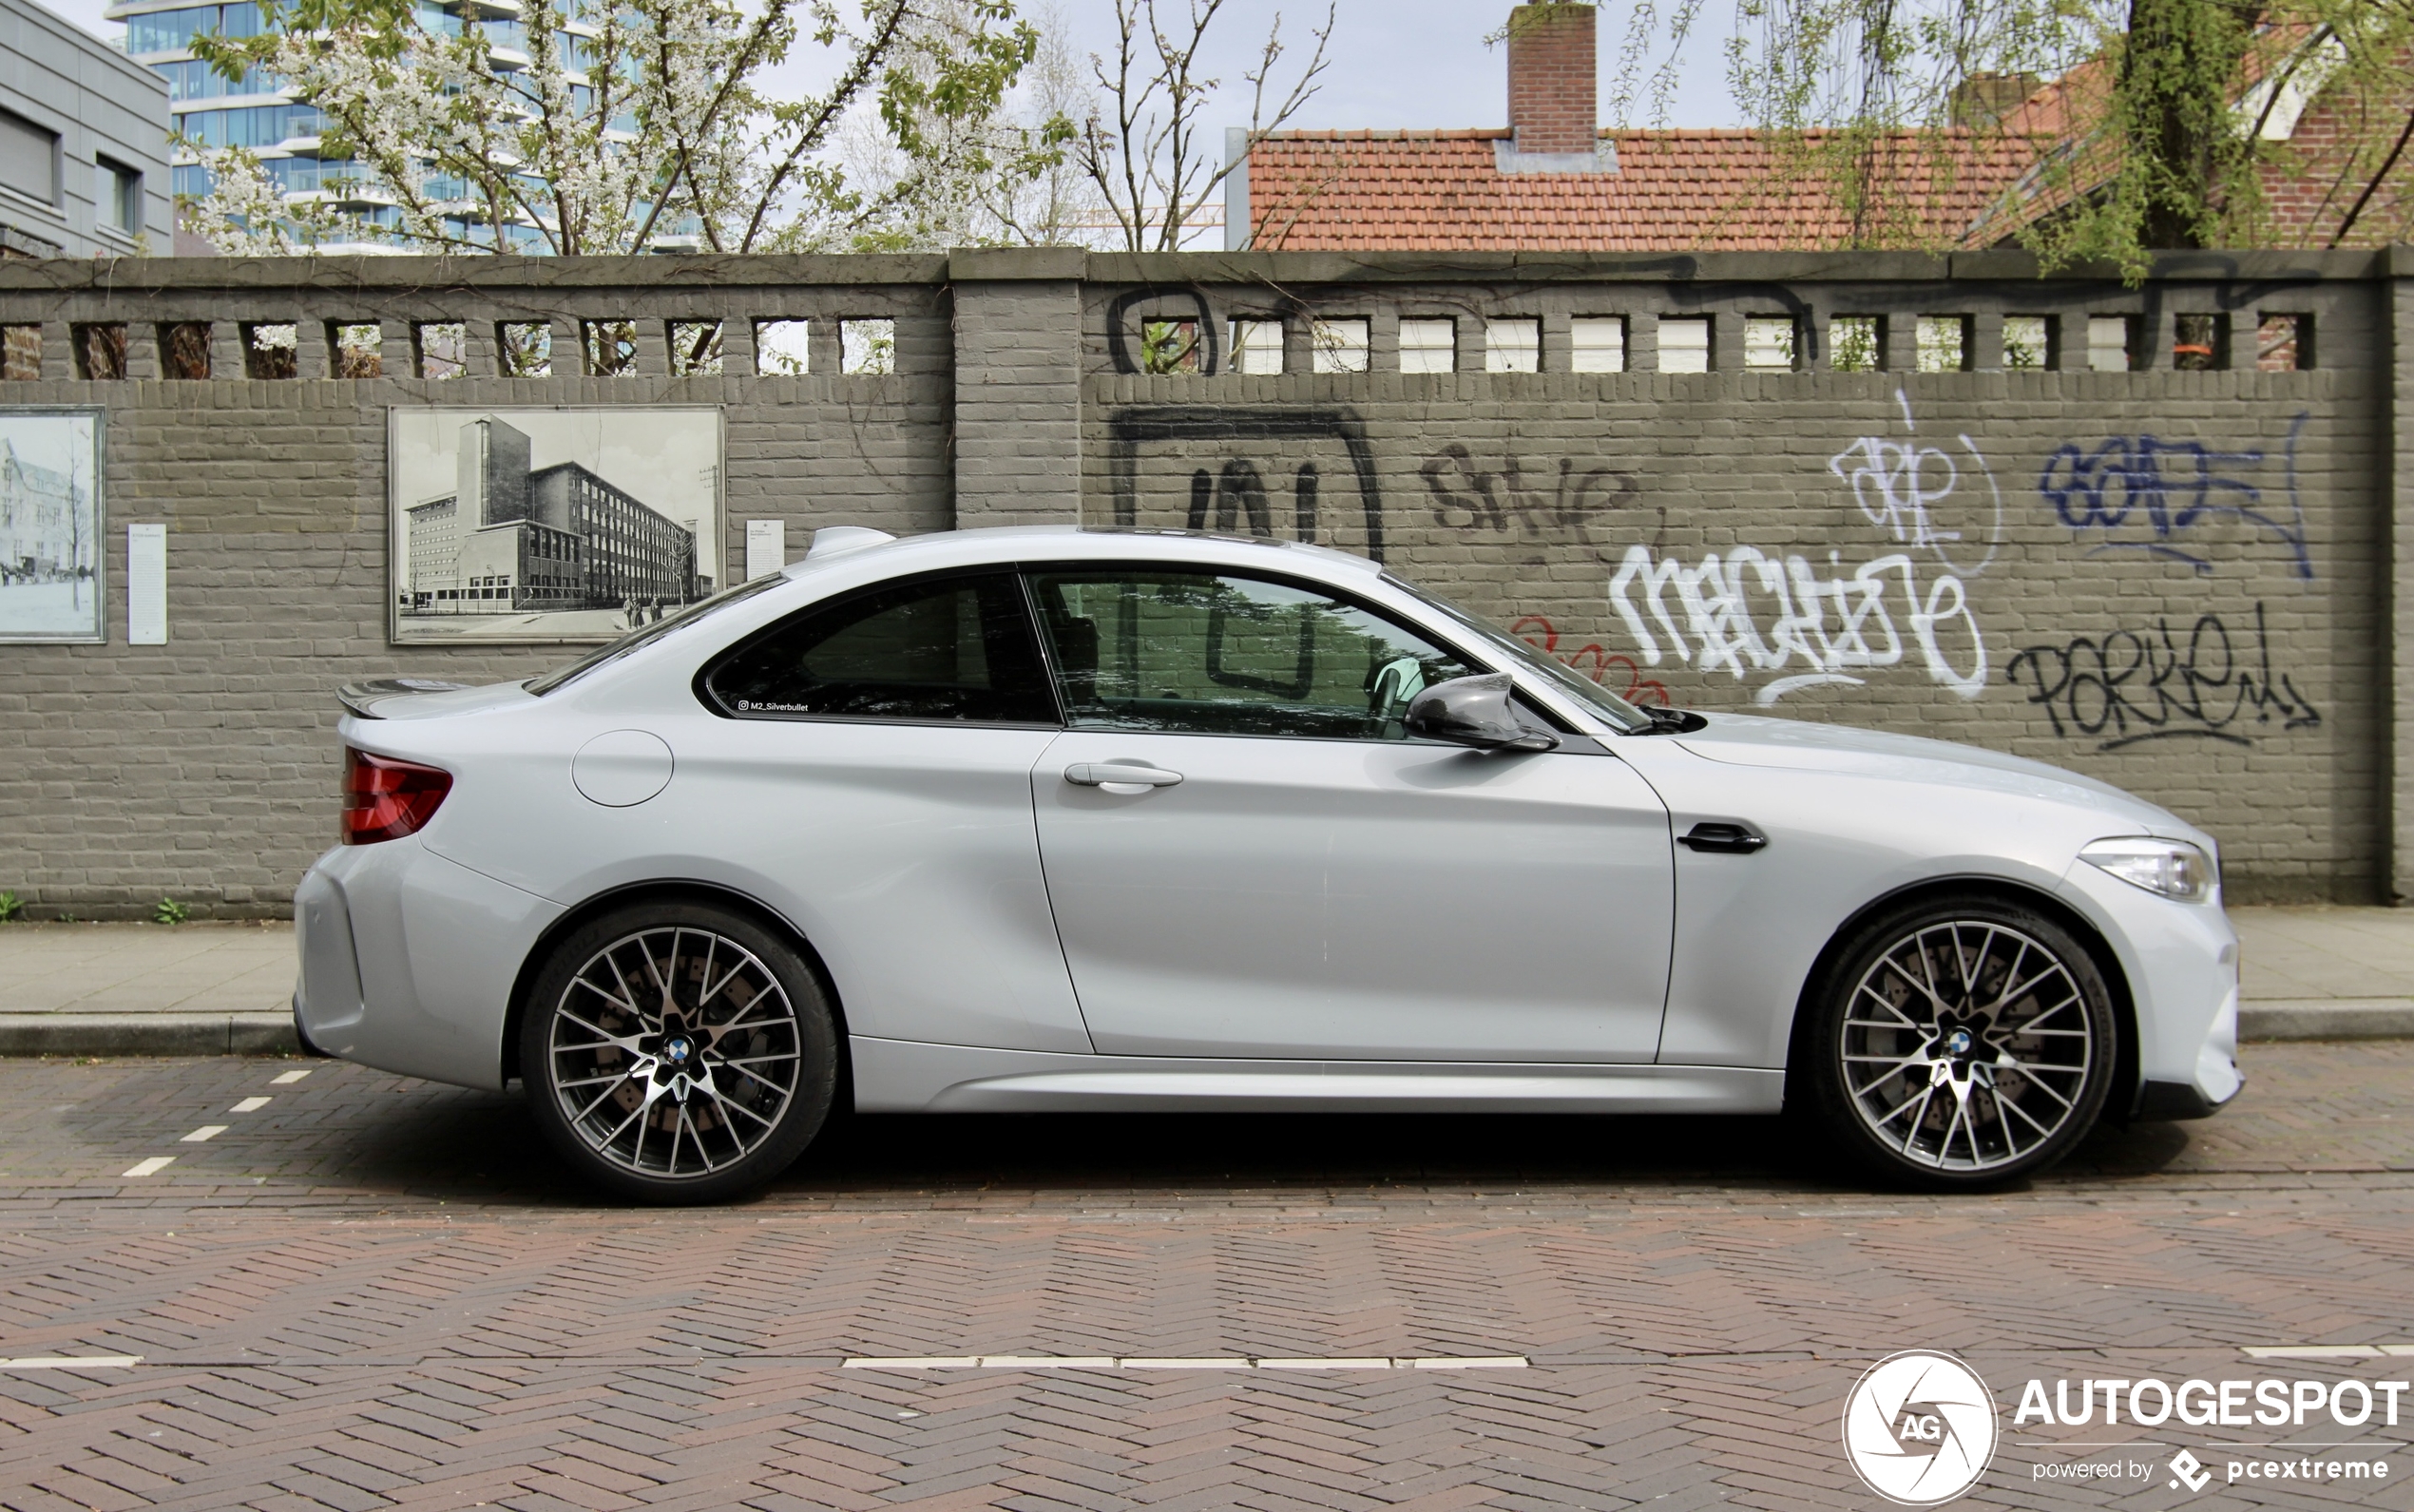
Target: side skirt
x,y
902,1075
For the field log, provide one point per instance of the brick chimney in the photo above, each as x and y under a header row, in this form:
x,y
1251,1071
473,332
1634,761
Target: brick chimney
x,y
1551,81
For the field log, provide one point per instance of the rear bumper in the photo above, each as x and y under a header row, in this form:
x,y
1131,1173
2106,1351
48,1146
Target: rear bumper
x,y
301,1030
409,960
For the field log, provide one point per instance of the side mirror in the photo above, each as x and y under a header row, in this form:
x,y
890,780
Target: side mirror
x,y
1474,711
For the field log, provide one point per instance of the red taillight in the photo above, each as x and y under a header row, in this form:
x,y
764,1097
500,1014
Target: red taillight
x,y
385,799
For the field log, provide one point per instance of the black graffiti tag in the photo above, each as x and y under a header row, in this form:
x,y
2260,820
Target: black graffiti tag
x,y
2136,685
1542,509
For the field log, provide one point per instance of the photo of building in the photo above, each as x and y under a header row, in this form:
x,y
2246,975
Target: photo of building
x,y
50,526
529,544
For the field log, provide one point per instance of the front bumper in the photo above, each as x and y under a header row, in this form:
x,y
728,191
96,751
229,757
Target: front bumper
x,y
2181,964
2174,1101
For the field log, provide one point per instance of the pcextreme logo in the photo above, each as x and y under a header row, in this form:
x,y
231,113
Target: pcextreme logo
x,y
1919,1428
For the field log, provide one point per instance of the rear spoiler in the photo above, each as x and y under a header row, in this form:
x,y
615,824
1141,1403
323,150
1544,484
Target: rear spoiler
x,y
358,697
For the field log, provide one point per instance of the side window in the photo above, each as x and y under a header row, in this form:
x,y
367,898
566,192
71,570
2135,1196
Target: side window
x,y
1200,652
956,649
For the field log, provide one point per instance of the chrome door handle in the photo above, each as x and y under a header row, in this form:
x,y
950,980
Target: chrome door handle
x,y
1109,775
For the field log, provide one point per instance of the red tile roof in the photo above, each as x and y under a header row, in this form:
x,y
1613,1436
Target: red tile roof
x,y
1689,191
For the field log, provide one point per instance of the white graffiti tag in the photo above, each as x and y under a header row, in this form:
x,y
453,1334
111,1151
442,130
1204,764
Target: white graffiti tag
x,y
1907,489
1828,624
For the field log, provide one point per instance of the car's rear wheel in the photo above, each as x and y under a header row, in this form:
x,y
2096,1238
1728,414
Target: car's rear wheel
x,y
678,1052
1959,1043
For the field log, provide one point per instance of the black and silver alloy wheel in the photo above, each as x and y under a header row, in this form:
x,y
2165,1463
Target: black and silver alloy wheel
x,y
1963,1044
678,1053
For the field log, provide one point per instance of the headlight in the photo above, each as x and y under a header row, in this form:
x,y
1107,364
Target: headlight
x,y
2171,867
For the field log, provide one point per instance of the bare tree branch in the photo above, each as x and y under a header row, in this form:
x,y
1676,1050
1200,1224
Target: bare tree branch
x,y
1151,168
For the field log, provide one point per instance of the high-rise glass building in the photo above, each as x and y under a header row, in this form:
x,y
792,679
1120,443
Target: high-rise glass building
x,y
283,132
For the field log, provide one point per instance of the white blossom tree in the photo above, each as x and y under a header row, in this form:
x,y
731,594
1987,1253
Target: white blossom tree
x,y
623,126
950,194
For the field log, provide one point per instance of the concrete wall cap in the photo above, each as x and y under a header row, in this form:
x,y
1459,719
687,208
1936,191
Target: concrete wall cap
x,y
139,277
717,273
1004,264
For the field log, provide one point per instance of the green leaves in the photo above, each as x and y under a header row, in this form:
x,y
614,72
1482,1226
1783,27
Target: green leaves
x,y
2161,124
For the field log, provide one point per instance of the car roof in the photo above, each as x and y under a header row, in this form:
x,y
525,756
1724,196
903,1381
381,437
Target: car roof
x,y
1004,543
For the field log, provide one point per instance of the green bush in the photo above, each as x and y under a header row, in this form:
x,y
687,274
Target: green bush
x,y
11,907
170,911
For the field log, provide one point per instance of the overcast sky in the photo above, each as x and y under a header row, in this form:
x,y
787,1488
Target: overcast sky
x,y
1395,63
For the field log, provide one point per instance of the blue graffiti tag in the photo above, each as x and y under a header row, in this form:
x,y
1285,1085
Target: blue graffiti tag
x,y
2163,489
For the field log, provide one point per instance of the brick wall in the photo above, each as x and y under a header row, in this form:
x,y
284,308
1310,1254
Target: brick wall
x,y
2234,666
2311,187
205,769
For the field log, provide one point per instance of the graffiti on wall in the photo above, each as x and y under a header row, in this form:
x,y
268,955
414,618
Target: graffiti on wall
x,y
1753,613
1520,505
1750,612
1781,618
1920,495
1262,455
2143,493
2205,683
1617,673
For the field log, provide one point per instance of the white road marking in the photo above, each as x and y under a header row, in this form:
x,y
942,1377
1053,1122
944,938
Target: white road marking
x,y
208,1131
71,1362
2324,1351
286,1078
152,1166
249,1106
1220,1361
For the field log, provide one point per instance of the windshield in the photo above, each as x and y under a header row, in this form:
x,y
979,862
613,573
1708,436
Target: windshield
x,y
1600,701
668,624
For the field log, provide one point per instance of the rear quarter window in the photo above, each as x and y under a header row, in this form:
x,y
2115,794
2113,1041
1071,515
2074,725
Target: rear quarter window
x,y
950,650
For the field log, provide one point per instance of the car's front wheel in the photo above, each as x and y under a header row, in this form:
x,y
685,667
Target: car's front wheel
x,y
1959,1043
678,1052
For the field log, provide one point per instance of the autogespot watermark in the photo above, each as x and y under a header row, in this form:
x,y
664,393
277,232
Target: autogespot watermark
x,y
2298,1406
1920,1430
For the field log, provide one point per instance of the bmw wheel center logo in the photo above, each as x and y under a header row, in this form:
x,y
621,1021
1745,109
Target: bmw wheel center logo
x,y
1919,1428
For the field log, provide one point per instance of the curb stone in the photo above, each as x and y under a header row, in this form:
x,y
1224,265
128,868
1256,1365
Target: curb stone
x,y
2327,1018
268,1033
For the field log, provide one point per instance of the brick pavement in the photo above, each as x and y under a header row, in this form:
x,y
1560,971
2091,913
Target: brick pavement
x,y
373,1292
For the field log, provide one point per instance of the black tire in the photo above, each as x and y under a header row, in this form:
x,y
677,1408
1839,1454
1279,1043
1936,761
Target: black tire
x,y
686,1093
2001,1029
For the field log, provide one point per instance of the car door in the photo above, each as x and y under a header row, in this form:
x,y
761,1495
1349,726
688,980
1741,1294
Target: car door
x,y
1248,857
865,763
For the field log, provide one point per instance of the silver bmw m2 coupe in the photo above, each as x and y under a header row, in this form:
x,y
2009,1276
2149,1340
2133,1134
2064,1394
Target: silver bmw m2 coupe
x,y
1065,819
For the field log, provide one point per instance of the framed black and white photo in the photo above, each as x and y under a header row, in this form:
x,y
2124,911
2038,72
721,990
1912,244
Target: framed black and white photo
x,y
549,526
51,563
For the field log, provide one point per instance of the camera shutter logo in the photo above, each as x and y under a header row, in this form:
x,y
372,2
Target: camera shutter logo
x,y
1919,1428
